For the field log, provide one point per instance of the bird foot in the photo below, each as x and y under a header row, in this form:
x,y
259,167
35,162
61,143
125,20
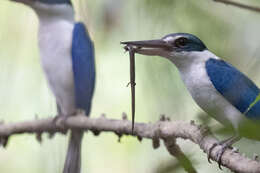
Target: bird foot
x,y
212,147
80,112
221,152
224,145
59,120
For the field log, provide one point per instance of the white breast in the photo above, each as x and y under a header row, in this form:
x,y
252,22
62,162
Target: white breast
x,y
55,39
204,93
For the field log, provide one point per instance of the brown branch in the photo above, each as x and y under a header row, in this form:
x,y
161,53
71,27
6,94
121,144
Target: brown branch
x,y
176,152
240,5
165,130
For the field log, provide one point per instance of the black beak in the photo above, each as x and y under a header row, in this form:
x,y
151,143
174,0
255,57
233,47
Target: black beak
x,y
148,44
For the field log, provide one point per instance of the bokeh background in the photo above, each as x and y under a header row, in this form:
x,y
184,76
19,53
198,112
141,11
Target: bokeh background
x,y
229,32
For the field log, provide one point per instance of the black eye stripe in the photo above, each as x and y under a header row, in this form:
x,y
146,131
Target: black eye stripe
x,y
180,42
184,42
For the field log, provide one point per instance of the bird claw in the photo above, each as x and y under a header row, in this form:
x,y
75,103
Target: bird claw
x,y
59,120
219,155
220,152
213,146
210,150
224,145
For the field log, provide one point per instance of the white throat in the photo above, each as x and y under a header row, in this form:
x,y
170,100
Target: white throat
x,y
184,60
56,24
49,13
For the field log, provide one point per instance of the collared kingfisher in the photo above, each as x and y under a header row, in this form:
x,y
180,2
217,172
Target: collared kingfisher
x,y
217,87
67,58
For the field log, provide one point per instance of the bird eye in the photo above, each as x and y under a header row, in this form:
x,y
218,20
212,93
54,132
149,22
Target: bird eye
x,y
180,42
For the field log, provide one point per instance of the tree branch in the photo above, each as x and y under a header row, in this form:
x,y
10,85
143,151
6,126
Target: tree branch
x,y
237,4
165,130
175,151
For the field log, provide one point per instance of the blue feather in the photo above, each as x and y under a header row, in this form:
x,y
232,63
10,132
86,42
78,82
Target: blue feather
x,y
239,90
83,64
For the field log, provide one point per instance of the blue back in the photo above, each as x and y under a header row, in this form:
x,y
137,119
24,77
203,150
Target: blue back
x,y
234,86
83,63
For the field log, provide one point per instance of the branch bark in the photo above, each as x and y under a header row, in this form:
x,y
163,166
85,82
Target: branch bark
x,y
176,152
165,130
239,5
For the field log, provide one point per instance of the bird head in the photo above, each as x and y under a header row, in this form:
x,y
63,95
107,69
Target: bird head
x,y
177,47
47,2
50,8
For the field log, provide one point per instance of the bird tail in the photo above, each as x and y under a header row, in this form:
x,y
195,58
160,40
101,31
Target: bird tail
x,y
73,158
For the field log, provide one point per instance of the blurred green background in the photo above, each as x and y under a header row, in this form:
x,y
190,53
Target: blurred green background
x,y
229,32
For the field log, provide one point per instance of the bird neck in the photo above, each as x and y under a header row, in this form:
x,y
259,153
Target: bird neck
x,y
184,61
49,13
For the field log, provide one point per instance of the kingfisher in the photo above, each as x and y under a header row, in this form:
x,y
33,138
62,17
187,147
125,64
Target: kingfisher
x,y
67,59
217,87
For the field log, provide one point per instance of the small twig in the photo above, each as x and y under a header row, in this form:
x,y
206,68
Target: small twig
x,y
240,5
130,49
176,152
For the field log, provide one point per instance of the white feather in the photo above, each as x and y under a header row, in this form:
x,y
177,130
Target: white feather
x,y
193,72
55,52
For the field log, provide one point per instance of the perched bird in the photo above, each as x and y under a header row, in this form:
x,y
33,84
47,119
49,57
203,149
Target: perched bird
x,y
217,87
67,58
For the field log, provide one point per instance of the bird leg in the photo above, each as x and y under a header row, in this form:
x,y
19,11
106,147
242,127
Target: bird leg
x,y
227,143
60,119
216,144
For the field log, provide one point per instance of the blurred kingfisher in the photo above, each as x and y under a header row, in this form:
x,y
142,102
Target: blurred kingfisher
x,y
217,87
67,58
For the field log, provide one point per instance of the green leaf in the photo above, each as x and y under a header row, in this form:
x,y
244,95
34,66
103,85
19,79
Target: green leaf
x,y
253,103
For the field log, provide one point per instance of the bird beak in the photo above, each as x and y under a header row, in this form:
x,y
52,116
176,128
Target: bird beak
x,y
147,43
149,47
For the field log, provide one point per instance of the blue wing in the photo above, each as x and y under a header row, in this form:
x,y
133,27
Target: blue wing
x,y
83,64
234,86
